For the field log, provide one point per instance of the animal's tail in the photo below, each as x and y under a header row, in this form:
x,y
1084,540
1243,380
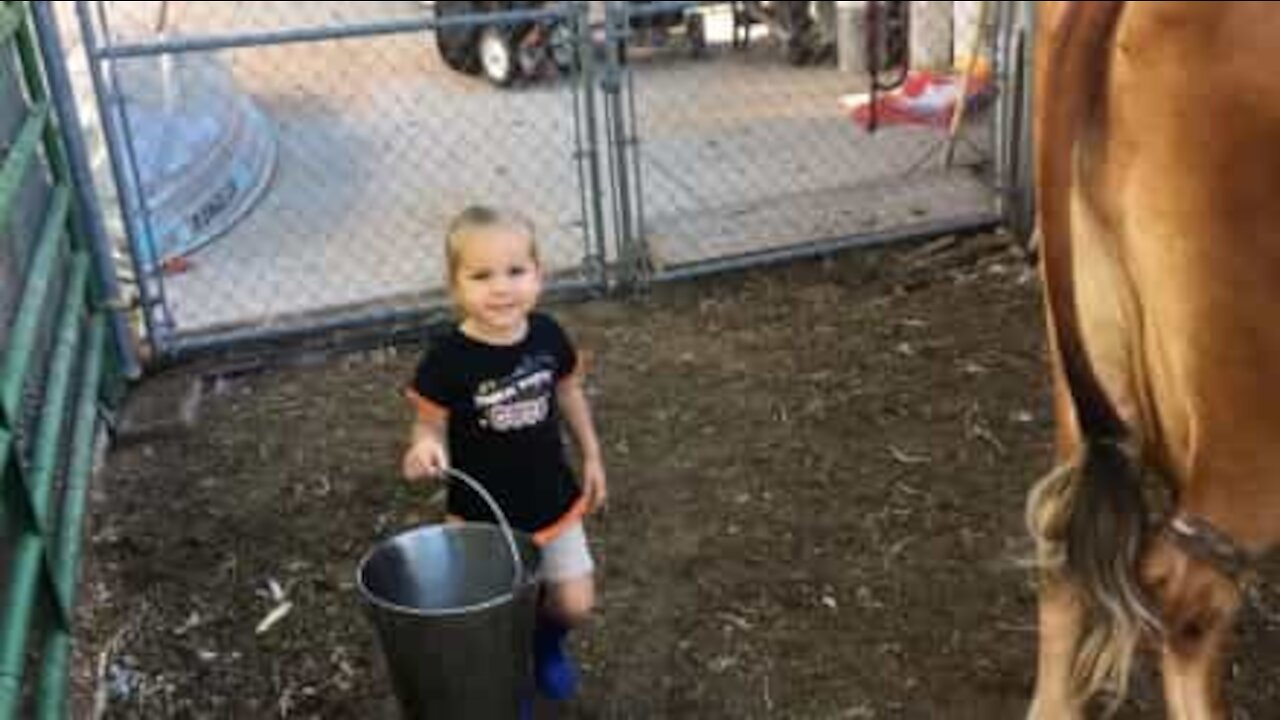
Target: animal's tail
x,y
1088,516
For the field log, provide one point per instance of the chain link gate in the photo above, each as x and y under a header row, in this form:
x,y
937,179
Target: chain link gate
x,y
648,141
288,168
755,150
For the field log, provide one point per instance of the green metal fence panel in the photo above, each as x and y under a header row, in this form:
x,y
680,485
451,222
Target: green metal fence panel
x,y
19,351
53,683
20,156
55,367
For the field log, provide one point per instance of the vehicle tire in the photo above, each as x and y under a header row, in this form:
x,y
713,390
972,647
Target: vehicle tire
x,y
458,44
563,47
497,55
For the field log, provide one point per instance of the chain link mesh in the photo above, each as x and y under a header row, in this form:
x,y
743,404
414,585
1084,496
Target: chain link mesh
x,y
376,143
756,147
736,147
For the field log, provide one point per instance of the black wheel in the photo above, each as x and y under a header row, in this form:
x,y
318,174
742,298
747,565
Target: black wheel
x,y
799,30
896,29
798,51
497,55
532,51
458,43
563,46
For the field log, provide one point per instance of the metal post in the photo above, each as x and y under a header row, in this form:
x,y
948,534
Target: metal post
x,y
999,126
81,176
124,181
630,144
163,323
1024,220
617,28
53,678
589,142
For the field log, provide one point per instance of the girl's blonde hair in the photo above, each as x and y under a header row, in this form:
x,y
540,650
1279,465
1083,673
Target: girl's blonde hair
x,y
479,218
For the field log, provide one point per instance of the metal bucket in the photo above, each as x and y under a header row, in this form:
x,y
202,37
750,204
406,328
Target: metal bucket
x,y
455,616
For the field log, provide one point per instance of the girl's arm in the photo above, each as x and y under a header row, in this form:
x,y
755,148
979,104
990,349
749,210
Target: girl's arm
x,y
577,414
427,456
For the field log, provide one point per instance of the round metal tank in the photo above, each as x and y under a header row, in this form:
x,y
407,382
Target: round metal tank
x,y
203,151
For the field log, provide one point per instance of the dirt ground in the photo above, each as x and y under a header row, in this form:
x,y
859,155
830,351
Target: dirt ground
x,y
817,476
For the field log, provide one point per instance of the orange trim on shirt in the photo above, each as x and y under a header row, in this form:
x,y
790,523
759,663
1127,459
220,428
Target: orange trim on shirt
x,y
583,362
428,410
574,514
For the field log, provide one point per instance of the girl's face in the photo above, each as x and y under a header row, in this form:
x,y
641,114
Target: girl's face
x,y
496,283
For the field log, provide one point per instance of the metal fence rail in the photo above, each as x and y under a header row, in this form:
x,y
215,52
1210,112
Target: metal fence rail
x,y
54,367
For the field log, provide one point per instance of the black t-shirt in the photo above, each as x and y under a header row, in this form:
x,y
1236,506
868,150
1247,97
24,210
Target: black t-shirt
x,y
503,421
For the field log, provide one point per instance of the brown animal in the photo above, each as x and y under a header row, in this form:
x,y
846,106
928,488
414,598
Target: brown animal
x,y
1158,186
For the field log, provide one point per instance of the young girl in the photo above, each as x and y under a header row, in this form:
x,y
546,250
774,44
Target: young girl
x,y
490,395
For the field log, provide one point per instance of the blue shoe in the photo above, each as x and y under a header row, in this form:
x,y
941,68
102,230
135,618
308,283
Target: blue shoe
x,y
553,669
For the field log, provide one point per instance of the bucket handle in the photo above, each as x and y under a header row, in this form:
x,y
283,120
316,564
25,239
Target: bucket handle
x,y
518,575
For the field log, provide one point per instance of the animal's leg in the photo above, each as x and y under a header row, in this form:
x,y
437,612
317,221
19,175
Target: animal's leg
x,y
1061,622
1200,607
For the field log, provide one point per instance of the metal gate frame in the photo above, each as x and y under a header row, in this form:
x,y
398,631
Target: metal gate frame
x,y
1010,173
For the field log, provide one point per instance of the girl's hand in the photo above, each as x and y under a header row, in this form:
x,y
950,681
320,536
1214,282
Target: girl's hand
x,y
425,458
594,484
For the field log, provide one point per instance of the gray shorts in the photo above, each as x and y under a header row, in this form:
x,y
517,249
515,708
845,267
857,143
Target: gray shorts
x,y
566,556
